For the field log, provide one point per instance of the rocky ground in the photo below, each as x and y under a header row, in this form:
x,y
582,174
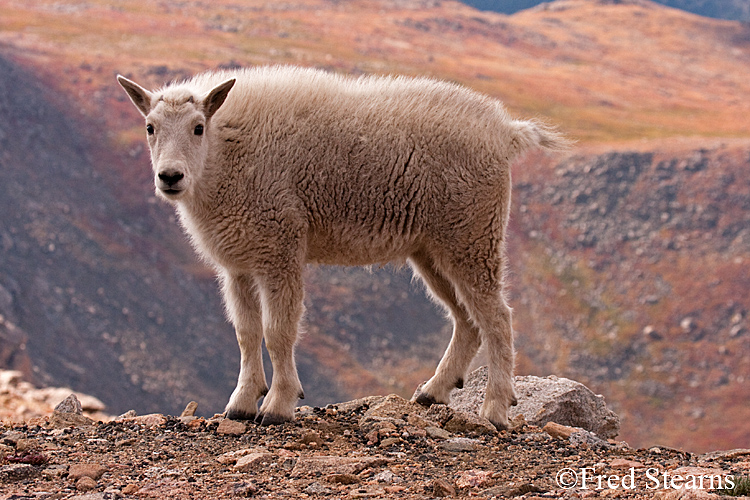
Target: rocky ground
x,y
378,447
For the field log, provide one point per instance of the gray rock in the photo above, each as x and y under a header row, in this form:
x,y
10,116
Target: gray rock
x,y
70,405
460,444
545,399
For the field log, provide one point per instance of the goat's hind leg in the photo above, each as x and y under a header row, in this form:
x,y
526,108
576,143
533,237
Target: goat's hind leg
x,y
464,343
243,307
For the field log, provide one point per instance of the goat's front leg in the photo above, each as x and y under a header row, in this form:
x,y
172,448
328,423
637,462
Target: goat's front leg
x,y
243,307
282,303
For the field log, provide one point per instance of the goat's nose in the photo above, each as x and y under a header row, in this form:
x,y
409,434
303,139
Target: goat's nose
x,y
170,178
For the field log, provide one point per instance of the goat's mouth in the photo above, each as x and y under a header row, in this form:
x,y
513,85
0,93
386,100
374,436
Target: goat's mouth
x,y
171,191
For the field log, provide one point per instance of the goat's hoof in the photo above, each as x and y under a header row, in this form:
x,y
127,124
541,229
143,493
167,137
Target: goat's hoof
x,y
424,399
500,426
266,419
239,415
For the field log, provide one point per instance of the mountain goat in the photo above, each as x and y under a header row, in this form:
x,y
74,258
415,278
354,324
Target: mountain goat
x,y
271,168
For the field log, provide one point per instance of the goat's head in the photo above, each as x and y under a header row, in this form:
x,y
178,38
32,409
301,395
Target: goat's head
x,y
178,133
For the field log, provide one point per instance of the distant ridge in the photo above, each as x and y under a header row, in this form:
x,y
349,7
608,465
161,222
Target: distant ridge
x,y
735,10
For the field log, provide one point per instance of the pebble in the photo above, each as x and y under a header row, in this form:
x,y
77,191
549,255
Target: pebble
x,y
17,472
621,463
85,484
93,471
70,405
437,433
189,410
473,479
253,460
343,479
229,427
558,431
317,488
459,444
442,488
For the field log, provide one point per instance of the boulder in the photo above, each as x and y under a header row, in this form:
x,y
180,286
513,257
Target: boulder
x,y
545,399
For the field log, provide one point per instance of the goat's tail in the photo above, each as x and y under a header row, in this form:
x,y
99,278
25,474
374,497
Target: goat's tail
x,y
534,134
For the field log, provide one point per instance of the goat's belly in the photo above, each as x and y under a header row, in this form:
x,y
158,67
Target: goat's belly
x,y
358,250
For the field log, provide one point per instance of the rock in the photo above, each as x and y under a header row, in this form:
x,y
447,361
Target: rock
x,y
469,423
544,399
189,410
17,472
229,427
437,433
94,471
151,420
392,409
251,461
71,404
130,489
244,489
387,477
231,457
130,414
326,465
473,478
343,479
317,488
357,404
442,488
558,431
621,463
64,420
459,444
511,491
85,484
50,395
582,437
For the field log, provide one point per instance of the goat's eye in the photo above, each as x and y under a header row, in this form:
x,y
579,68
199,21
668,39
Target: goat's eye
x,y
198,130
150,129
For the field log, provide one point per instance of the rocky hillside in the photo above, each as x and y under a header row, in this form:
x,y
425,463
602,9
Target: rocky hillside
x,y
626,258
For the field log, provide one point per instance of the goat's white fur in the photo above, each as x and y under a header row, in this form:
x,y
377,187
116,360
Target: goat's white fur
x,y
299,166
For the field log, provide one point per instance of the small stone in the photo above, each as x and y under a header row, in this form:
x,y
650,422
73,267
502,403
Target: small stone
x,y
558,431
253,460
317,488
442,488
473,479
469,423
151,420
244,489
130,414
229,427
17,472
621,463
189,410
460,444
61,420
343,479
387,477
94,471
70,405
385,443
85,484
196,424
437,433
312,437
130,489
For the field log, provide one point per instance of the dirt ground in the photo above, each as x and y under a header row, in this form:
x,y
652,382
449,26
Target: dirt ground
x,y
341,451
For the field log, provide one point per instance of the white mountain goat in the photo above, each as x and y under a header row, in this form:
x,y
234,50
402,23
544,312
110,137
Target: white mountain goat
x,y
271,168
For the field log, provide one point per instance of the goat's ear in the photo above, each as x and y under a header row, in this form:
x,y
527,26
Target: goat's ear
x,y
140,96
214,99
